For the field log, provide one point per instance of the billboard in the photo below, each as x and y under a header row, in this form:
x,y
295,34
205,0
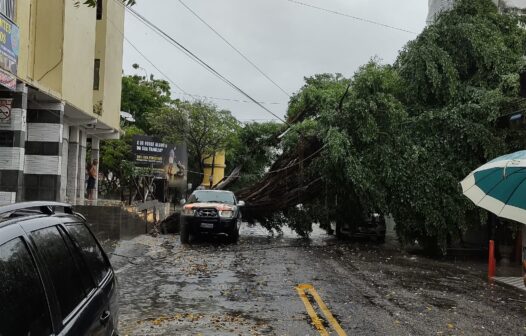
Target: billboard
x,y
168,161
9,45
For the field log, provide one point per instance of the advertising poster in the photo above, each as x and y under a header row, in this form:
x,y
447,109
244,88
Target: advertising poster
x,y
169,161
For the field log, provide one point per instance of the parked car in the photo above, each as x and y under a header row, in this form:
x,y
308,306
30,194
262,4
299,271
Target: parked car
x,y
371,225
55,278
211,211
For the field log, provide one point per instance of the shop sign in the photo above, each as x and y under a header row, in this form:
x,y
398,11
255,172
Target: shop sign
x,y
9,45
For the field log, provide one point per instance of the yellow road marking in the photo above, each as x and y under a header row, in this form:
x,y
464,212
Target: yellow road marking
x,y
310,310
302,290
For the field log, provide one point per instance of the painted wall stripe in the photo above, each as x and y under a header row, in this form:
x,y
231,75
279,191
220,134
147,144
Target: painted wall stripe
x,y
18,121
43,148
12,138
11,158
44,116
7,197
43,165
44,132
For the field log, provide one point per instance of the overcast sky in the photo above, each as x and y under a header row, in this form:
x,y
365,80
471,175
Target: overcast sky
x,y
286,40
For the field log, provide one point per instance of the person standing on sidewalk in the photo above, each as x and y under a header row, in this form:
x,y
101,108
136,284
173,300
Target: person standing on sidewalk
x,y
92,179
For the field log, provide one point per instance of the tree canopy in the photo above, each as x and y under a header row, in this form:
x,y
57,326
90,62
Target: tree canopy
x,y
142,96
205,128
399,138
252,150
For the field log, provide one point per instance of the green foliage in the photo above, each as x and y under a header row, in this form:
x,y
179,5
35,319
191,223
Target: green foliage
x,y
254,149
320,92
116,157
403,136
141,97
204,127
479,54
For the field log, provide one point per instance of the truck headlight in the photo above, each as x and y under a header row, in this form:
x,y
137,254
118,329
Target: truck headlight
x,y
188,212
226,213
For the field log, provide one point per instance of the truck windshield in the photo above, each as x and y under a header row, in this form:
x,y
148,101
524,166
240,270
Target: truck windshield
x,y
212,197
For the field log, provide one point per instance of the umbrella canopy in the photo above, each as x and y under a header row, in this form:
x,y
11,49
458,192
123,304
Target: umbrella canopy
x,y
500,186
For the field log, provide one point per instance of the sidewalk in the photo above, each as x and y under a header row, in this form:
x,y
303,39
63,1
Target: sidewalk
x,y
517,282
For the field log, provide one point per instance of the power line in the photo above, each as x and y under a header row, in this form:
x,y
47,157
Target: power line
x,y
144,56
351,16
234,48
197,59
156,68
195,96
232,99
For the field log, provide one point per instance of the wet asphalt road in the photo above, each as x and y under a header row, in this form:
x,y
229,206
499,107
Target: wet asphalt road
x,y
212,288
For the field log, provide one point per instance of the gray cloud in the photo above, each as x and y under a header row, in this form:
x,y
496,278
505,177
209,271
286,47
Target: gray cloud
x,y
286,40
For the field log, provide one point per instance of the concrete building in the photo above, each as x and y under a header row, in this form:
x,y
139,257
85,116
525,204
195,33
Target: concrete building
x,y
438,6
214,170
60,89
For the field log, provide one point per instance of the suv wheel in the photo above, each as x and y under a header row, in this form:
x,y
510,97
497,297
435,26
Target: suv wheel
x,y
233,235
185,233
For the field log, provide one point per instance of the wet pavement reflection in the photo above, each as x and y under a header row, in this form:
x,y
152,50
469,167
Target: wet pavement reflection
x,y
212,288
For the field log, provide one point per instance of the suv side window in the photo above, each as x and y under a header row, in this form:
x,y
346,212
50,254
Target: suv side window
x,y
24,308
93,255
62,269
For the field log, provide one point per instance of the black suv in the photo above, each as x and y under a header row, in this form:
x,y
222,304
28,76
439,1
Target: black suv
x,y
211,211
55,279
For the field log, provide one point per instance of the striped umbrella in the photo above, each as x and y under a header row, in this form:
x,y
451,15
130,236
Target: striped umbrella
x,y
500,186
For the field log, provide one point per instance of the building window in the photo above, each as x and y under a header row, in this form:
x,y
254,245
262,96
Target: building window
x,y
99,9
7,7
96,74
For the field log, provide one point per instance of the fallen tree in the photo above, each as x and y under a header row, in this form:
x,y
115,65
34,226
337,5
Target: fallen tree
x,y
287,183
400,137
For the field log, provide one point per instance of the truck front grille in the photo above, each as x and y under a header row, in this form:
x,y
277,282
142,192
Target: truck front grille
x,y
207,213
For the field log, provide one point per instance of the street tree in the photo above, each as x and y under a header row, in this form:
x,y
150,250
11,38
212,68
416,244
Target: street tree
x,y
142,96
205,128
117,161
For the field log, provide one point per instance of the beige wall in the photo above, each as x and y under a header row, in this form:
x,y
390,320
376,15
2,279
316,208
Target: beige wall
x,y
109,50
58,45
22,15
79,55
46,30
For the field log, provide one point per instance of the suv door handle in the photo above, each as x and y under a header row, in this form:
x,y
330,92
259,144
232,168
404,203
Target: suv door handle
x,y
105,317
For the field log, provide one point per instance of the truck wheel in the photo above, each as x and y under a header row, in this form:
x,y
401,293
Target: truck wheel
x,y
185,233
234,235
